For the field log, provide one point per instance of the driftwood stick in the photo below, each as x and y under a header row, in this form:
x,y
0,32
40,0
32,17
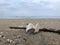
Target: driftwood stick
x,y
17,27
43,29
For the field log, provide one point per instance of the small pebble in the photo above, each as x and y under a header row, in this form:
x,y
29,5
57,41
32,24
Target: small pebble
x,y
4,37
18,36
16,41
1,36
9,40
1,32
24,38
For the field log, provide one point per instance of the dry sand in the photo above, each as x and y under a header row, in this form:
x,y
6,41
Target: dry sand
x,y
19,36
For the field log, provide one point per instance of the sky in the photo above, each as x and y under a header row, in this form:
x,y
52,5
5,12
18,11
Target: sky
x,y
39,8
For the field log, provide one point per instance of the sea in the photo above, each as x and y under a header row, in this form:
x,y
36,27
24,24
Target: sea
x,y
13,17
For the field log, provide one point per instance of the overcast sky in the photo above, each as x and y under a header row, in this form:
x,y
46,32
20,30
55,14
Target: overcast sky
x,y
45,8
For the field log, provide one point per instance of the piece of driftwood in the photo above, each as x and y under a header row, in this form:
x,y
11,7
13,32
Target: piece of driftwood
x,y
17,27
43,29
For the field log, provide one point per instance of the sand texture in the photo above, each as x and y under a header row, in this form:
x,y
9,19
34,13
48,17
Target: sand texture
x,y
20,37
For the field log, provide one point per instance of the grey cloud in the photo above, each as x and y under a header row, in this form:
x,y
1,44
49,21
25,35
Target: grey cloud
x,y
7,9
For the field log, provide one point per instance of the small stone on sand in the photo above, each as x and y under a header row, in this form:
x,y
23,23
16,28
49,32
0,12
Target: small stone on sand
x,y
18,36
9,40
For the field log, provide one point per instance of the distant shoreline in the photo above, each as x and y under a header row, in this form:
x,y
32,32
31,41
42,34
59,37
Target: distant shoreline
x,y
21,17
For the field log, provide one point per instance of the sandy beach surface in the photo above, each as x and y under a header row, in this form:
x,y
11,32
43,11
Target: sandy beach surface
x,y
20,37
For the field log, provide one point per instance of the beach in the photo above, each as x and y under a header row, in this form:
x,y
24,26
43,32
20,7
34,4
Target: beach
x,y
19,36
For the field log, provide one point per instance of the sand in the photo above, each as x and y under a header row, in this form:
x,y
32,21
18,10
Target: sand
x,y
20,37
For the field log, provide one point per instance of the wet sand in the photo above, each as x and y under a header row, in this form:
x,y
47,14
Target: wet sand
x,y
20,37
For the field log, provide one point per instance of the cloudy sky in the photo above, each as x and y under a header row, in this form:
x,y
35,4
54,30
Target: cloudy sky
x,y
40,8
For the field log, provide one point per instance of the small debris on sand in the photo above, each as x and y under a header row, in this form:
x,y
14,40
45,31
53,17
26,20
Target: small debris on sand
x,y
1,36
18,36
24,38
9,40
1,32
16,41
4,37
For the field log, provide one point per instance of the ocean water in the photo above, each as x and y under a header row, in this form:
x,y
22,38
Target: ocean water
x,y
12,17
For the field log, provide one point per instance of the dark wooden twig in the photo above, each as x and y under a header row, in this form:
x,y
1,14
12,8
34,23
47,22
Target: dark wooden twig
x,y
17,27
43,29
